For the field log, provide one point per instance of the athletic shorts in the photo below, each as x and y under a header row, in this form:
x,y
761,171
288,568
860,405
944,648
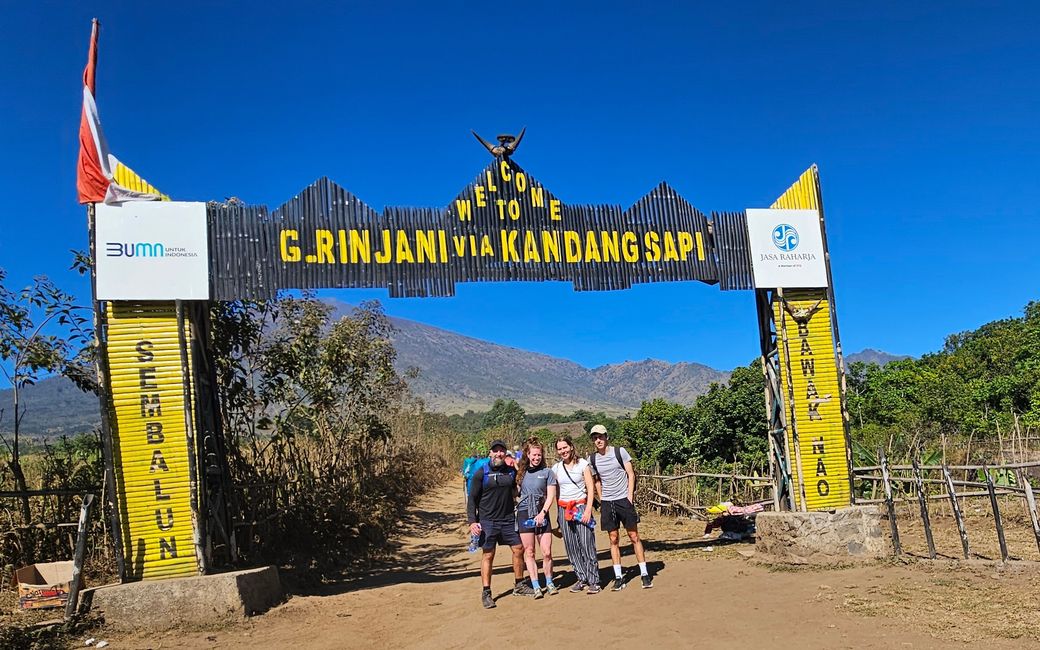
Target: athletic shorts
x,y
498,532
612,514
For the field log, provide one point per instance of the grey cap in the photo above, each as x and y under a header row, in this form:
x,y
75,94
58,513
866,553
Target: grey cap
x,y
498,443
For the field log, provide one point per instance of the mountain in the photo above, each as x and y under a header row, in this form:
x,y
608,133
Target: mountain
x,y
870,355
456,373
52,407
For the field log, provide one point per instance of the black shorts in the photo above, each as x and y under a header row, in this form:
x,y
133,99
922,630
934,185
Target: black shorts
x,y
614,513
538,530
494,532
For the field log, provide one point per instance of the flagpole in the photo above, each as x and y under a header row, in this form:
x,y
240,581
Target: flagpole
x,y
101,343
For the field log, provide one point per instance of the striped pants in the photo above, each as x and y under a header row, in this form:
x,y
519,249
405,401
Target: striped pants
x,y
580,542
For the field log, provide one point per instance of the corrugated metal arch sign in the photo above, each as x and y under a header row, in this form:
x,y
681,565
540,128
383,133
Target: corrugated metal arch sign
x,y
503,226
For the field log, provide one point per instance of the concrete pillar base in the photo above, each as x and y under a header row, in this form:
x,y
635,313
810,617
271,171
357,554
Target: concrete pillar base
x,y
852,533
184,603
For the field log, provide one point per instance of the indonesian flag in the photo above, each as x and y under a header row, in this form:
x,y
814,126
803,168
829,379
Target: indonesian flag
x,y
99,175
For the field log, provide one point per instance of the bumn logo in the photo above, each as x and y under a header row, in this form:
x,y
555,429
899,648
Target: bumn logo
x,y
138,249
785,237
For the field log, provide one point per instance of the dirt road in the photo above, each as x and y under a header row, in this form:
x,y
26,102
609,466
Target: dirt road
x,y
701,598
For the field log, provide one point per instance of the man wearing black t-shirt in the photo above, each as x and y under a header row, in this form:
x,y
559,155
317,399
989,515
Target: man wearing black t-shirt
x,y
491,513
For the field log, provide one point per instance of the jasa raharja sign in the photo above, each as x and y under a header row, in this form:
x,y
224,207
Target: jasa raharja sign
x,y
505,225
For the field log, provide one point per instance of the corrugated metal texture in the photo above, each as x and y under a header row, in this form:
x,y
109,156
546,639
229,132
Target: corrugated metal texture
x,y
807,366
729,230
505,226
801,195
129,179
150,445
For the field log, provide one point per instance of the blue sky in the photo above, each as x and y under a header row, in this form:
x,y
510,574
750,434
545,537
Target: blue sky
x,y
923,121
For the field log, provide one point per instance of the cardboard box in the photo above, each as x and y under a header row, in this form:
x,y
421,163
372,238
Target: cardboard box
x,y
44,585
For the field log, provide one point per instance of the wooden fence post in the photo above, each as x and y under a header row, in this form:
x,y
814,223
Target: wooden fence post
x,y
996,515
896,547
1030,503
923,502
956,511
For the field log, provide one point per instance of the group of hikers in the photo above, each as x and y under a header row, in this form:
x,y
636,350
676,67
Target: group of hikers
x,y
510,498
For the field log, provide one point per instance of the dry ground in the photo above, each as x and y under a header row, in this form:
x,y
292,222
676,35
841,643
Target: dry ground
x,y
702,598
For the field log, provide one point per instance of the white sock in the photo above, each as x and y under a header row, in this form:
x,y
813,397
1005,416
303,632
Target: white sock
x,y
617,571
642,569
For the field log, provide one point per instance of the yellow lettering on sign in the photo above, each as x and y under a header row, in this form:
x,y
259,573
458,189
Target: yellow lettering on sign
x,y
442,238
509,252
700,246
531,248
551,245
610,246
486,250
537,197
323,239
490,182
460,244
465,209
514,209
591,248
425,246
521,182
360,246
555,212
501,209
653,248
478,193
404,249
383,256
289,253
670,252
503,171
572,246
685,244
630,246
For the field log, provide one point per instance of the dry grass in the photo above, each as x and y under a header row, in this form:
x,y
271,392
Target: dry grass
x,y
958,602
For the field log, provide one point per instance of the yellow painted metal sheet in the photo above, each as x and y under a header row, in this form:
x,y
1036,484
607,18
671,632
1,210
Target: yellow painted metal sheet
x,y
150,441
802,195
807,368
813,375
129,179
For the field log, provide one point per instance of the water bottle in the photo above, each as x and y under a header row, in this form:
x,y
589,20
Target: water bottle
x,y
580,512
474,542
530,523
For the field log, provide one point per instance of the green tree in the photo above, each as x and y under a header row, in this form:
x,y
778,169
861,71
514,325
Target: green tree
x,y
506,420
42,331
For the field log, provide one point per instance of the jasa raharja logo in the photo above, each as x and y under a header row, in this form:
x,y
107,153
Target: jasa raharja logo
x,y
134,249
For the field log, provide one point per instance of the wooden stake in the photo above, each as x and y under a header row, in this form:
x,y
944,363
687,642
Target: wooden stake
x,y
1030,503
996,516
896,547
956,511
923,502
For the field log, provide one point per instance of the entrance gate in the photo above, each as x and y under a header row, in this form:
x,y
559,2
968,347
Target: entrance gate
x,y
159,262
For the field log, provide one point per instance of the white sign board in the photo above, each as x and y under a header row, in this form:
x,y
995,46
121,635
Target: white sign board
x,y
152,250
786,249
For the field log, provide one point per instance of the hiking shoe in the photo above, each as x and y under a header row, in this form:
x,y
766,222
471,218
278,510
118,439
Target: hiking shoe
x,y
594,589
523,589
648,582
551,590
538,593
576,587
487,600
618,584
